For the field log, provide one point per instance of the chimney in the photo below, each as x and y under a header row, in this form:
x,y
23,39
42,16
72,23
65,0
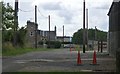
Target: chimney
x,y
55,30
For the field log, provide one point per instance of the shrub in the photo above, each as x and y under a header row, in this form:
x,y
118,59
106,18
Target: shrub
x,y
7,46
57,44
40,42
53,44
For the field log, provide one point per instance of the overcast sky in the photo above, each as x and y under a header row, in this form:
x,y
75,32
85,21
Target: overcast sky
x,y
64,12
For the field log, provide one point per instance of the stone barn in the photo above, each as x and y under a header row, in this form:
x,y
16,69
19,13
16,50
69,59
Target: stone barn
x,y
114,27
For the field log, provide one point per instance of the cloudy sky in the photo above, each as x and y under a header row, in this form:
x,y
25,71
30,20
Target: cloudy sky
x,y
64,12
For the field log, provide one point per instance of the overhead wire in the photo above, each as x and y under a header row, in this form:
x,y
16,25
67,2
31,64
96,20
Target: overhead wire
x,y
26,10
32,11
42,14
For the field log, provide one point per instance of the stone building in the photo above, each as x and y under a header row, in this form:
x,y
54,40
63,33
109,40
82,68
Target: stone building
x,y
66,38
114,27
41,35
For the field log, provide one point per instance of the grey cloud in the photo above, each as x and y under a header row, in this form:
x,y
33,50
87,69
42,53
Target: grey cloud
x,y
67,15
105,6
101,15
51,6
116,0
61,11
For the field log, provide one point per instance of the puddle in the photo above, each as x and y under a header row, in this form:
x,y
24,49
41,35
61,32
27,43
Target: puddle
x,y
33,60
20,61
41,60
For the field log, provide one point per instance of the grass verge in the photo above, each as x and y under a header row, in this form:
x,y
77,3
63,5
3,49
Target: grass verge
x,y
19,51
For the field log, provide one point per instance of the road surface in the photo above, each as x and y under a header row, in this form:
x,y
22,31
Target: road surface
x,y
58,60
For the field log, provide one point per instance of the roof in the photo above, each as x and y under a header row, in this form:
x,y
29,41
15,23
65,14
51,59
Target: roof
x,y
45,31
64,36
33,23
112,6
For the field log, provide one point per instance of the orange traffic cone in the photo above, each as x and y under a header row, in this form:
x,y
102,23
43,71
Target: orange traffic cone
x,y
94,58
79,59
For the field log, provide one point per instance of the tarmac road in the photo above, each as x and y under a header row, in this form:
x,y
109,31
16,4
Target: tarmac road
x,y
58,60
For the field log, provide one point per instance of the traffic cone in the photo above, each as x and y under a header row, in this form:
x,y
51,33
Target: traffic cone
x,y
94,58
79,59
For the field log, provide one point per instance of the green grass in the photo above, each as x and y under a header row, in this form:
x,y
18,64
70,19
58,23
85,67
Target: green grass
x,y
53,73
0,52
19,51
77,47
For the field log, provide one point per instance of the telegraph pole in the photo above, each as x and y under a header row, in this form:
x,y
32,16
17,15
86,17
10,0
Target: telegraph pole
x,y
95,38
63,36
35,26
87,27
84,26
15,23
16,15
95,33
49,32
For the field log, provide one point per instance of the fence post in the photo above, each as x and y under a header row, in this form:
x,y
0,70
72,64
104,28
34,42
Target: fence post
x,y
101,46
98,46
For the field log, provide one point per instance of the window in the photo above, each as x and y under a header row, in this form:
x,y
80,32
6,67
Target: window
x,y
31,33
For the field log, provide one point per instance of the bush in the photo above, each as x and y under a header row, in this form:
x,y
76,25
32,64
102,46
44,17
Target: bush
x,y
67,43
57,44
7,46
40,42
53,44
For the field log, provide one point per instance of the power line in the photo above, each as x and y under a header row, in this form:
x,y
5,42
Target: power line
x,y
26,10
42,14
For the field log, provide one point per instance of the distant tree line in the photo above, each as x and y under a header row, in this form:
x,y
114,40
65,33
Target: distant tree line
x,y
78,36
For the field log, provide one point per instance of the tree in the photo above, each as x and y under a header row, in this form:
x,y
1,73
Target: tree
x,y
7,17
17,38
78,36
21,36
7,22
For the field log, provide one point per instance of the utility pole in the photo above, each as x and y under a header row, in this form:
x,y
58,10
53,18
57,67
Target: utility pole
x,y
84,26
63,36
87,27
95,33
15,23
55,33
35,26
95,37
49,32
16,15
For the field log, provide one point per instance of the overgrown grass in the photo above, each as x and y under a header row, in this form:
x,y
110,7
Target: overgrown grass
x,y
19,51
78,47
